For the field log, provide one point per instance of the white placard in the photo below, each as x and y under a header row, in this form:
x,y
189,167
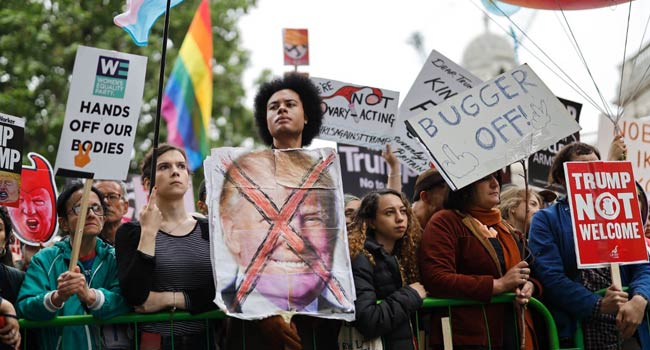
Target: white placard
x,y
492,125
357,114
101,115
440,78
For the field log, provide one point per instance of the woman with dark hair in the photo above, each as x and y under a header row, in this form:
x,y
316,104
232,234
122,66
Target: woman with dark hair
x,y
164,259
570,292
92,288
6,238
10,281
469,252
383,240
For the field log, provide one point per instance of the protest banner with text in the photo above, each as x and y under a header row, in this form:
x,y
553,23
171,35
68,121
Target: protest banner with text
x,y
491,126
439,79
101,114
12,135
356,114
605,213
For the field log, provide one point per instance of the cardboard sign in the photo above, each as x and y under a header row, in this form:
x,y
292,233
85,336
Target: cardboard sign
x,y
296,47
101,115
364,170
12,134
605,213
539,163
356,114
491,126
439,79
280,244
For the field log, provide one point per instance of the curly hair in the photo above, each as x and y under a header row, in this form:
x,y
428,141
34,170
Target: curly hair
x,y
311,103
405,248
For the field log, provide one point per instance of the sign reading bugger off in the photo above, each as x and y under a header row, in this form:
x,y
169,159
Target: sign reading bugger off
x,y
605,213
101,114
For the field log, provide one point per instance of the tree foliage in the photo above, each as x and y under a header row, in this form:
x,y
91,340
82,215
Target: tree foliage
x,y
39,40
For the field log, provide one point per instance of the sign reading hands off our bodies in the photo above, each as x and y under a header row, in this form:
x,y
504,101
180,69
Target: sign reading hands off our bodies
x,y
101,114
439,80
492,125
356,114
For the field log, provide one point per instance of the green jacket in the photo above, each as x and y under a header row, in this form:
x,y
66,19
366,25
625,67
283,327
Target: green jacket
x,y
40,279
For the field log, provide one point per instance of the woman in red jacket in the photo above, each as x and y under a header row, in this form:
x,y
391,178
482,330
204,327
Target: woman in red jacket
x,y
468,252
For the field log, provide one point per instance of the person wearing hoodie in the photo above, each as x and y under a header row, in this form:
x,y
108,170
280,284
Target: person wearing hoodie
x,y
51,290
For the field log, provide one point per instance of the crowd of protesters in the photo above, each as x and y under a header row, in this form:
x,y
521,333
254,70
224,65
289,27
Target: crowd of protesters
x,y
468,243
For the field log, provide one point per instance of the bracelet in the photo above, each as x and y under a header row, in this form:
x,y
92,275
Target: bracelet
x,y
174,301
10,315
391,175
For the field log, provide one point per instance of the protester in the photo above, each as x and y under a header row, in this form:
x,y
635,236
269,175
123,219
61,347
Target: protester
x,y
10,281
164,260
352,204
383,247
6,238
114,193
51,290
428,196
570,292
201,204
468,252
513,207
288,115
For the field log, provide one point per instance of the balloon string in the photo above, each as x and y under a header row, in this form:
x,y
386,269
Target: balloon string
x,y
619,110
573,85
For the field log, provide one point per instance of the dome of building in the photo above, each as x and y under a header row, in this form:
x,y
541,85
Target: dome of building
x,y
489,55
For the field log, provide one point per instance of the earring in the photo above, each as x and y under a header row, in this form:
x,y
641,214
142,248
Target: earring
x,y
305,121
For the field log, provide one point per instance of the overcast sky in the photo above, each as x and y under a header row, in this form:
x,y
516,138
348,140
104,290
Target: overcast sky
x,y
366,41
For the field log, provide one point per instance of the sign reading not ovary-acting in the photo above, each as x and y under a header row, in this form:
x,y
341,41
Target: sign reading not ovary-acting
x,y
101,115
439,80
605,213
356,114
491,126
12,131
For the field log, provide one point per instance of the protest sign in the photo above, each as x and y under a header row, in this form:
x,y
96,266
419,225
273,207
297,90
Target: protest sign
x,y
539,163
12,131
364,170
357,115
101,114
439,79
296,47
491,126
636,133
34,219
278,224
605,213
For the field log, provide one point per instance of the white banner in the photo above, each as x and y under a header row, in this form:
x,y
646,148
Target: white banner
x,y
356,114
279,243
439,79
492,125
101,114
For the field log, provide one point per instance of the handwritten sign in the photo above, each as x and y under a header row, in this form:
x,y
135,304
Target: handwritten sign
x,y
296,47
12,131
101,114
491,126
440,79
605,213
356,114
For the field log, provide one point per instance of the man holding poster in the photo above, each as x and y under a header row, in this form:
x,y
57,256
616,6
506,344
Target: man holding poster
x,y
570,292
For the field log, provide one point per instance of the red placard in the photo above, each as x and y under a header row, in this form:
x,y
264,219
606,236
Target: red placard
x,y
605,213
296,47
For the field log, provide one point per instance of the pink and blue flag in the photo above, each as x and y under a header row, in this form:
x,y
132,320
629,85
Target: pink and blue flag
x,y
140,16
187,101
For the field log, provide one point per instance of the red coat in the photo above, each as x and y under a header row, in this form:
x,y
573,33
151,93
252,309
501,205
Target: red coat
x,y
457,261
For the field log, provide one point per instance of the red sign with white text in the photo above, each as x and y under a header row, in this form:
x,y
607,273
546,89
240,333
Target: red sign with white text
x,y
605,213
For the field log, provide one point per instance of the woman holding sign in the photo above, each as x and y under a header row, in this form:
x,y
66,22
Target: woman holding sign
x,y
606,321
467,251
51,290
164,260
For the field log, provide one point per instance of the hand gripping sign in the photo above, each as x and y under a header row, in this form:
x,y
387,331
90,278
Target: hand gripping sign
x,y
605,213
283,245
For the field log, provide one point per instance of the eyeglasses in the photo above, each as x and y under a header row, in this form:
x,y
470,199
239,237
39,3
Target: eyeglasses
x,y
96,209
112,197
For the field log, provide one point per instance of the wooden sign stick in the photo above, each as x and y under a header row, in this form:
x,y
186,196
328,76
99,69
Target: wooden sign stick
x,y
616,275
81,222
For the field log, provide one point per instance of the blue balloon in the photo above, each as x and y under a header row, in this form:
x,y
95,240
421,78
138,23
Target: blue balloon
x,y
499,8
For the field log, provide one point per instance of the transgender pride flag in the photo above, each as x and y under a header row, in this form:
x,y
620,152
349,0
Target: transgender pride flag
x,y
140,16
187,101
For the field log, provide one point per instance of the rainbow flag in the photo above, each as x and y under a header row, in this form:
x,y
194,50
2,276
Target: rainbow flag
x,y
187,101
140,16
